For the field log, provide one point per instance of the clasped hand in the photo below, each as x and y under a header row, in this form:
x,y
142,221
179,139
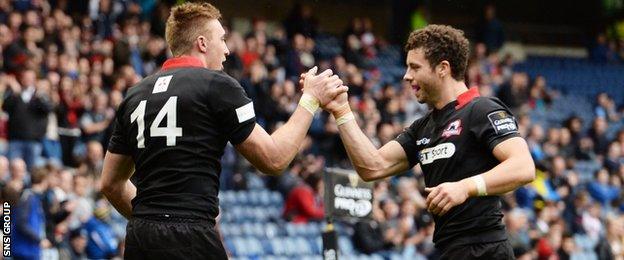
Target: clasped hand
x,y
327,88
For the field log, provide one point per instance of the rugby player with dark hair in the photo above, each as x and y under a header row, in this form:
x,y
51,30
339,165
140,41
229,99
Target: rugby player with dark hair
x,y
468,147
171,131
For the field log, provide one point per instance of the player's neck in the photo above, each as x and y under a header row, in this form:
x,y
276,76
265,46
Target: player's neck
x,y
449,93
198,56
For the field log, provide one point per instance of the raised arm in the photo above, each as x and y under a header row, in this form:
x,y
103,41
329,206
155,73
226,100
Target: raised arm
x,y
369,162
271,154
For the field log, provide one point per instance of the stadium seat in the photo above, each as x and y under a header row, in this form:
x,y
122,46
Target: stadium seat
x,y
270,230
317,248
276,198
312,257
302,245
264,197
345,245
278,246
575,76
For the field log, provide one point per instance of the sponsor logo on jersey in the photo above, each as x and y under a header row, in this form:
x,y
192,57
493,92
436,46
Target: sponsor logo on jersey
x,y
502,122
441,151
423,141
454,128
162,84
245,112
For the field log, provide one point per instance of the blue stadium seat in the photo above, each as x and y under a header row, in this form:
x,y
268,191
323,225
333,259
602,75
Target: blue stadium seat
x,y
278,246
249,247
271,230
254,198
578,77
345,245
376,257
227,197
267,246
264,197
274,257
276,198
302,245
229,245
312,257
316,245
313,229
241,197
252,229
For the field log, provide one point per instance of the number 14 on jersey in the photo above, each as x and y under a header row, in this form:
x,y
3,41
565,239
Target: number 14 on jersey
x,y
171,131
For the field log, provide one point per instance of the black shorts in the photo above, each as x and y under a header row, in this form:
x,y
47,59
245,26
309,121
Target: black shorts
x,y
171,238
493,250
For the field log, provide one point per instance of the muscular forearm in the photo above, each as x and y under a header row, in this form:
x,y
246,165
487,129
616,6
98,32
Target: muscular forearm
x,y
363,154
272,154
120,196
505,177
288,138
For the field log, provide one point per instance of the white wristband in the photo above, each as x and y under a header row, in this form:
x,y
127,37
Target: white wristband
x,y
480,183
309,102
345,118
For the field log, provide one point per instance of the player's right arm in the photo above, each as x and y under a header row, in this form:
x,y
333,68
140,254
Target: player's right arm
x,y
116,184
369,162
271,154
118,167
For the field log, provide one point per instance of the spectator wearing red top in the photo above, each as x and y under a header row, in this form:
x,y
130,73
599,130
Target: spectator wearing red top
x,y
305,202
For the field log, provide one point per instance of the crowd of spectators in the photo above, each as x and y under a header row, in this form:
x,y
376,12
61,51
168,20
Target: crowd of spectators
x,y
66,68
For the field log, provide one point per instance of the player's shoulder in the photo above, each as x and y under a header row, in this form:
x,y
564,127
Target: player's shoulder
x,y
224,80
217,79
420,122
487,104
203,74
144,84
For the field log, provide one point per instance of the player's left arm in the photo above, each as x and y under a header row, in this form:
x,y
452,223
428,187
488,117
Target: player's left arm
x,y
493,124
516,168
116,184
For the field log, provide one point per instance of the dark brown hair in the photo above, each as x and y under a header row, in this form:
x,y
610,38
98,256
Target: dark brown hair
x,y
442,43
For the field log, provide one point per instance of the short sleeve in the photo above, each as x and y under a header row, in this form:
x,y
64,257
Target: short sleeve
x,y
492,122
119,138
407,140
235,109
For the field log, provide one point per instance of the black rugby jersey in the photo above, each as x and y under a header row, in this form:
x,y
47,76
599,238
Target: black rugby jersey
x,y
175,124
454,143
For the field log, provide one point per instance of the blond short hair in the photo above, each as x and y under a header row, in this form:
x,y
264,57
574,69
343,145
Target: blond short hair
x,y
185,23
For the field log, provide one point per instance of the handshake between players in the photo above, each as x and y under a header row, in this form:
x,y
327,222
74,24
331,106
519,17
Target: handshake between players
x,y
325,90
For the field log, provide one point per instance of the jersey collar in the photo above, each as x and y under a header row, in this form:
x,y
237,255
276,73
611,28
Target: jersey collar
x,y
465,98
182,61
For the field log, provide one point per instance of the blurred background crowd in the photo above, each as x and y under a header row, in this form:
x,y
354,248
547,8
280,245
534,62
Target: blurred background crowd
x,y
66,67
